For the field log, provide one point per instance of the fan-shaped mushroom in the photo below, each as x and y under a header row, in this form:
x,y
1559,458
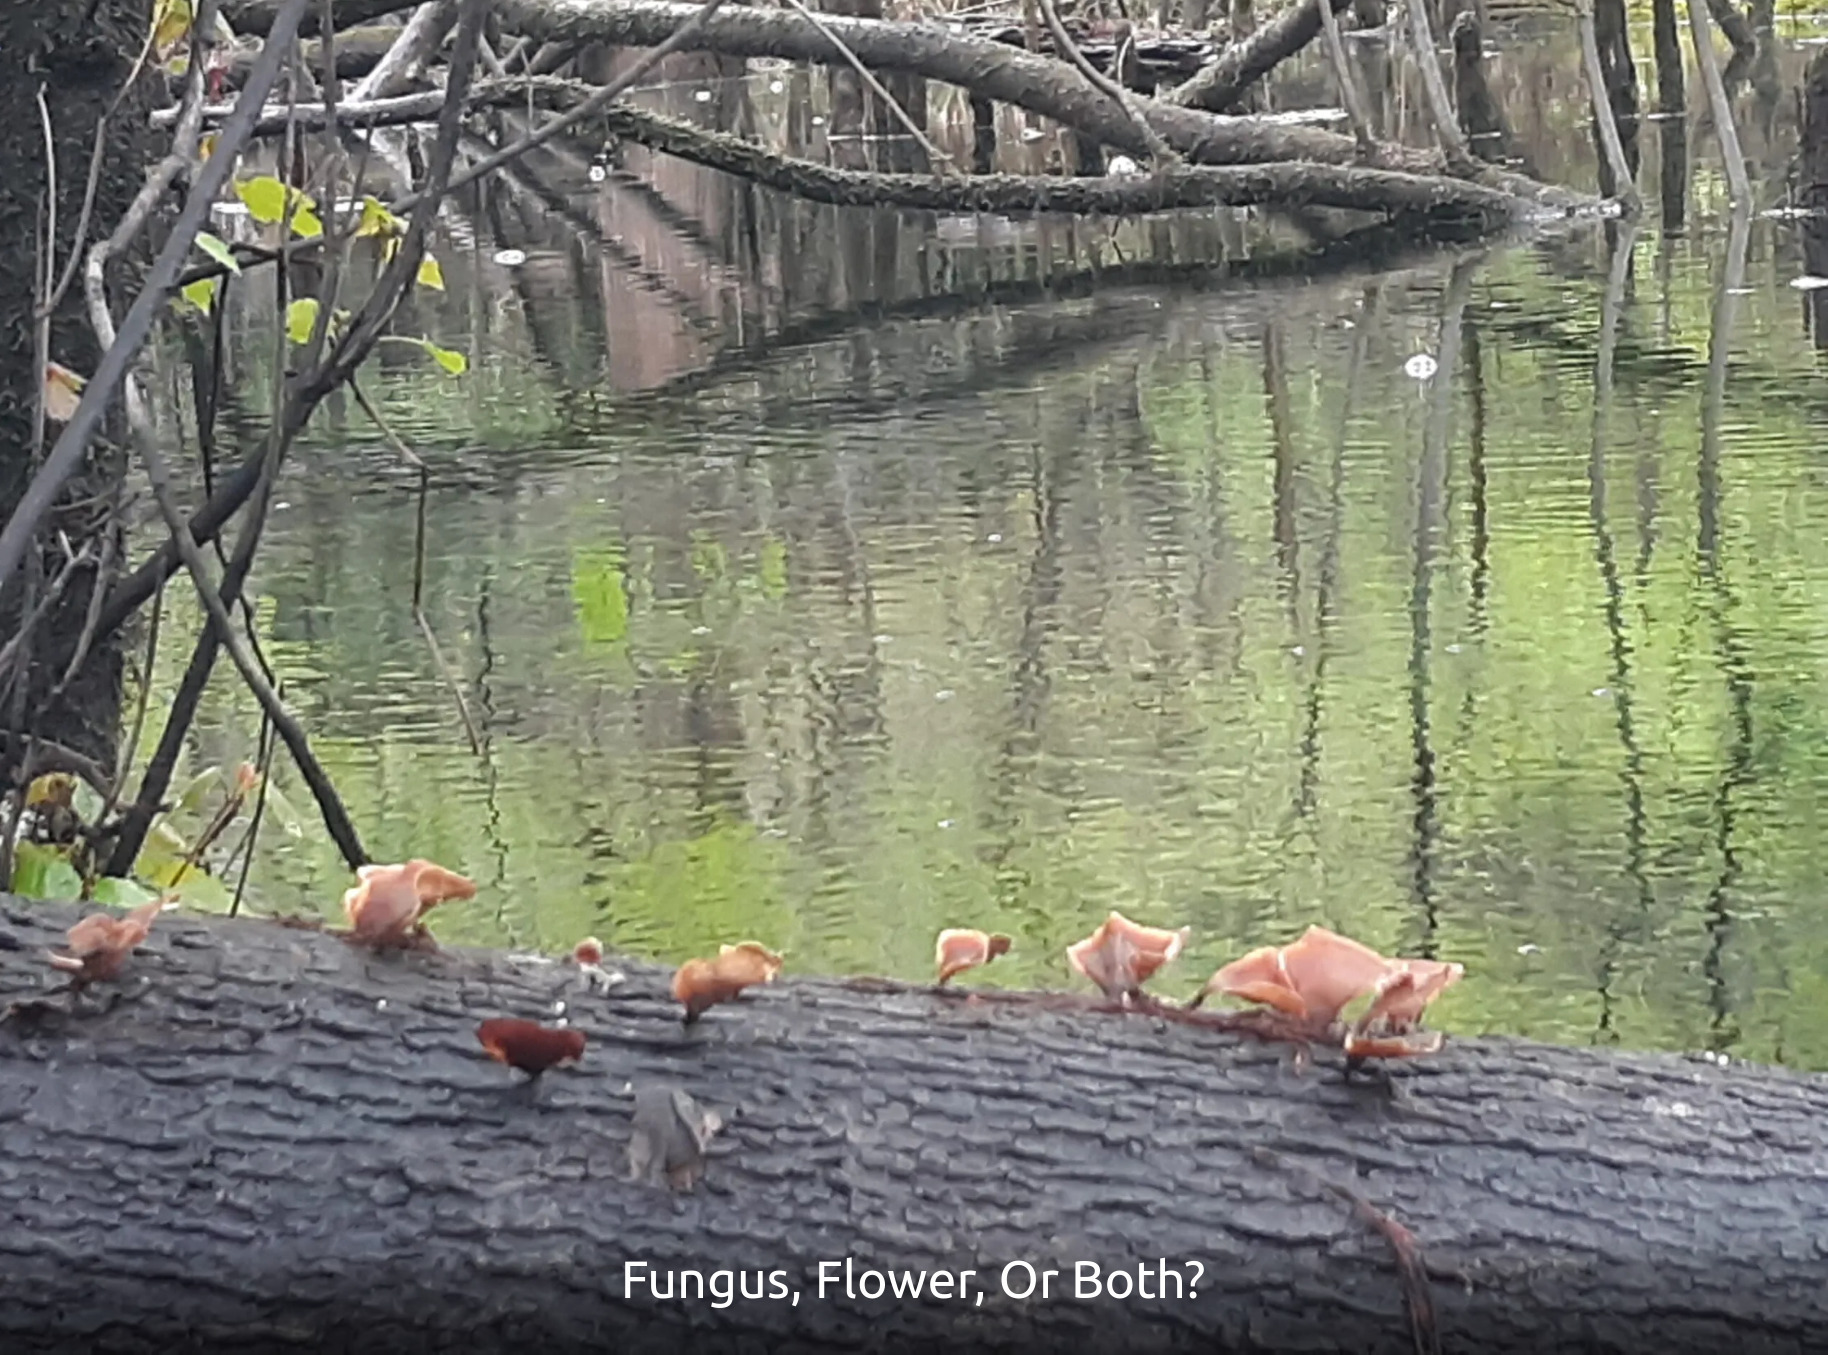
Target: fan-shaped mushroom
x,y
1122,955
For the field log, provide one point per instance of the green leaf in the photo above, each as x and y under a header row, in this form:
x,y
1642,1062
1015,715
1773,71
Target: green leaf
x,y
448,358
301,319
377,220
44,872
772,568
160,864
191,798
201,293
112,889
430,274
264,197
602,601
214,246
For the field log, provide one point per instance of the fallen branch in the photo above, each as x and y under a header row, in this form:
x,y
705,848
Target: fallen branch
x,y
1353,187
1219,87
1340,186
1590,1199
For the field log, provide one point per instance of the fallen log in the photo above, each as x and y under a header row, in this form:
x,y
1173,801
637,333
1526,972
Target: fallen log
x,y
1343,187
274,1140
988,70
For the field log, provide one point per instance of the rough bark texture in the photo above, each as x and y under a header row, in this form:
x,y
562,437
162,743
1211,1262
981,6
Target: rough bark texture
x,y
284,1143
80,54
1240,66
984,67
256,16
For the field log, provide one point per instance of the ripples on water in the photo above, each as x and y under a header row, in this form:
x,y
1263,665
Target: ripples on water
x,y
1183,600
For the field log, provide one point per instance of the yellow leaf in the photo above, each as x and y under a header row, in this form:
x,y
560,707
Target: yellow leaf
x,y
306,224
448,358
301,319
170,23
201,293
264,197
53,788
206,145
430,274
217,249
377,220
62,392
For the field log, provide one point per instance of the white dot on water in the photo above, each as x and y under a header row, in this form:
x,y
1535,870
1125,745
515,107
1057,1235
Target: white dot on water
x,y
775,86
882,639
947,823
380,1004
598,174
1421,367
1122,164
1299,651
701,630
703,96
1454,649
558,1009
1529,948
818,122
995,538
944,694
510,258
1808,283
1602,691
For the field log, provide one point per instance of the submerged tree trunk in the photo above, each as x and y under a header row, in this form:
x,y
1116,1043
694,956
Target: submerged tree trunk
x,y
1812,191
275,1141
77,54
1672,125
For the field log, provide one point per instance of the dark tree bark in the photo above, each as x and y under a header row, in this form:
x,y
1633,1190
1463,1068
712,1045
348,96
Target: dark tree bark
x,y
79,53
256,16
1612,34
1481,118
1222,85
1812,191
1672,130
274,1141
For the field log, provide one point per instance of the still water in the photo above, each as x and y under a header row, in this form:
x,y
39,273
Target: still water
x,y
832,578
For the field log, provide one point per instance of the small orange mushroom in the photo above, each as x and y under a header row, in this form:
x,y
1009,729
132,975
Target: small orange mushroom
x,y
388,902
99,945
1122,955
959,949
529,1046
702,984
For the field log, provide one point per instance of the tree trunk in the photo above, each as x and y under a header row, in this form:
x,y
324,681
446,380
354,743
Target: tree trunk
x,y
274,1140
79,53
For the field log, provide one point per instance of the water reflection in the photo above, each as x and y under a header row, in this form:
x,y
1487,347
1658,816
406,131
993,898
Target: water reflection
x,y
834,577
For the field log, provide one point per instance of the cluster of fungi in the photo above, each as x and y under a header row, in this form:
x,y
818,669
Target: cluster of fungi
x,y
1301,990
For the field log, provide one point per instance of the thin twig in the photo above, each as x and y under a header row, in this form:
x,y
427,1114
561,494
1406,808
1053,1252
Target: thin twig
x,y
1348,87
1626,188
1739,186
414,460
246,848
131,748
1162,152
1418,1291
934,153
1434,87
